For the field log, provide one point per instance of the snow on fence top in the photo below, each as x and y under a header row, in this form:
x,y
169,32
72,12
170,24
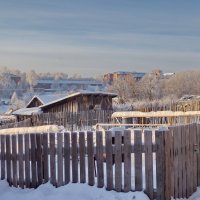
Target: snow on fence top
x,y
36,129
155,114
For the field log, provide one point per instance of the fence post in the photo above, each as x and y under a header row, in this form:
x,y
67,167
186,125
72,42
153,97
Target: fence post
x,y
160,164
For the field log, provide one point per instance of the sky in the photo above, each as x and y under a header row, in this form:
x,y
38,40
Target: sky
x,y
93,37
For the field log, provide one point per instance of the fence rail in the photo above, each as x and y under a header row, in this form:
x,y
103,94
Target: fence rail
x,y
164,164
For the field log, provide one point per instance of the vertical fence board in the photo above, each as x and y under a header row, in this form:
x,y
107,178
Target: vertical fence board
x,y
60,159
188,175
8,160
45,157
52,159
171,143
148,163
67,156
191,159
198,157
39,158
74,158
82,155
118,161
27,161
195,153
183,142
2,137
160,164
33,161
21,160
109,160
180,162
90,152
127,161
99,158
176,172
14,160
138,160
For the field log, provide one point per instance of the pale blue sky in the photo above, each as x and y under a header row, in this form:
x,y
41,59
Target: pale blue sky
x,y
92,37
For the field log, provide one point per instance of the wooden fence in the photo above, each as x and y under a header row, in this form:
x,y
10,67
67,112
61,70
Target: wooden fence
x,y
161,163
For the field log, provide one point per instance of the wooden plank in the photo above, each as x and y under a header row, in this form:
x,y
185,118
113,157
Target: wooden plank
x,y
14,160
33,160
2,137
52,159
180,163
109,160
183,141
8,159
60,159
138,159
21,161
90,152
188,163
118,161
171,162
176,170
127,160
191,158
39,158
160,164
195,153
148,163
45,157
74,158
67,156
82,154
27,161
198,156
99,157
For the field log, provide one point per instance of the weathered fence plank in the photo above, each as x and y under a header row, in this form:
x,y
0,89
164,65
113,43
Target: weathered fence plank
x,y
160,165
82,152
109,160
148,163
74,157
67,157
60,159
45,157
52,159
118,161
27,161
14,160
90,152
3,156
198,157
33,161
8,159
39,159
99,159
127,160
138,159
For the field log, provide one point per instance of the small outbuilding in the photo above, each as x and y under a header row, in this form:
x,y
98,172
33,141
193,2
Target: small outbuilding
x,y
80,101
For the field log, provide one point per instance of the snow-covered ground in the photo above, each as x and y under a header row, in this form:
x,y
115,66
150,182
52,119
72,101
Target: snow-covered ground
x,y
70,192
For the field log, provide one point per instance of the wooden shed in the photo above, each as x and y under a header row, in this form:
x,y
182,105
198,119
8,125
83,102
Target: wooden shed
x,y
80,101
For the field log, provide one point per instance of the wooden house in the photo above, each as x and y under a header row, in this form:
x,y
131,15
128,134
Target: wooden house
x,y
80,101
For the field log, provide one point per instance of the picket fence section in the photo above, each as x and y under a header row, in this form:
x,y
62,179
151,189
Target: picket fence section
x,y
163,163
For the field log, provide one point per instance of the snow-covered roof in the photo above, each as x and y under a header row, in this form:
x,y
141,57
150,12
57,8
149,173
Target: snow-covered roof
x,y
70,81
7,118
46,98
131,114
80,93
35,129
27,111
